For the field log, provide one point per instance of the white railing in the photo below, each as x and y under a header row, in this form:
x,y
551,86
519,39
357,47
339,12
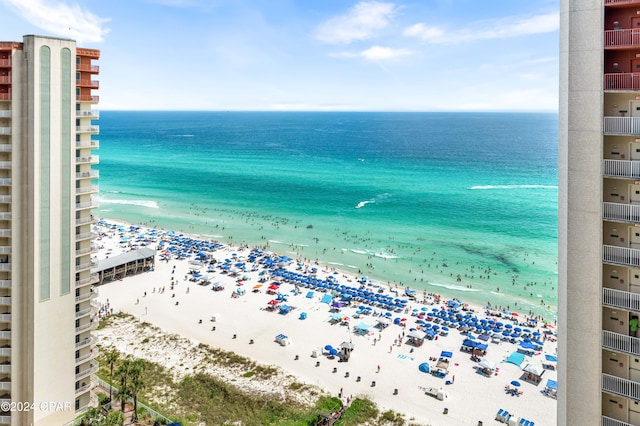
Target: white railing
x,y
621,299
5,164
91,279
86,236
5,113
93,144
622,125
5,283
5,317
88,159
86,327
620,342
5,181
90,205
622,37
85,220
91,174
88,113
85,388
5,130
621,255
5,266
84,312
86,372
91,354
87,189
87,129
620,386
6,300
87,265
85,342
608,421
88,295
622,168
6,147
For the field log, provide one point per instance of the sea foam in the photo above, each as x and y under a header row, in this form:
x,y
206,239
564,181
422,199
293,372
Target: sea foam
x,y
141,203
485,187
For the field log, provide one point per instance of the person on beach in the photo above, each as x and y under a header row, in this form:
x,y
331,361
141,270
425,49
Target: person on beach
x,y
633,326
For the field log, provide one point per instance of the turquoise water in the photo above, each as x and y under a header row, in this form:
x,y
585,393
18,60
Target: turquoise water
x,y
461,204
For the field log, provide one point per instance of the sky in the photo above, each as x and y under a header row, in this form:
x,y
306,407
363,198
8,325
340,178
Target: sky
x,y
309,55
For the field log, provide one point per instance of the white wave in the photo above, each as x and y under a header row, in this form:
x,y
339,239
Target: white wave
x,y
352,267
336,263
141,203
386,256
276,242
485,187
364,203
453,287
359,251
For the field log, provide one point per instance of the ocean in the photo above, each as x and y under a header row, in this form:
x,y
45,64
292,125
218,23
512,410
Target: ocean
x,y
460,204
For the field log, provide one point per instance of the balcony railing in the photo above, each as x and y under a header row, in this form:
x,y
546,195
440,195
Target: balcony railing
x,y
622,168
86,388
88,129
620,343
92,159
620,386
93,113
93,84
87,98
622,38
86,220
613,2
5,96
608,421
621,255
89,295
621,299
87,67
5,113
90,355
91,279
90,174
93,144
84,312
86,236
621,81
88,326
91,370
622,125
6,147
5,165
621,212
83,266
85,342
90,205
5,130
87,189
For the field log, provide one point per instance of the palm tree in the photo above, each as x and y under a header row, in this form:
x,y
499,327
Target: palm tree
x,y
112,358
122,373
135,384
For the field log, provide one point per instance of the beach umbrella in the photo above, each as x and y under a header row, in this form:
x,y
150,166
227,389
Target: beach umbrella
x,y
424,367
515,383
509,326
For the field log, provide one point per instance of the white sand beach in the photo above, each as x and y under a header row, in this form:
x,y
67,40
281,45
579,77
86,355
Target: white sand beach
x,y
245,326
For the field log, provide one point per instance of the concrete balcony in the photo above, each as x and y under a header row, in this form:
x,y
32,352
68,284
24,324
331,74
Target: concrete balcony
x,y
5,181
619,386
5,384
86,220
5,420
5,130
621,256
5,334
89,295
88,98
91,113
5,351
87,250
89,159
90,144
5,301
5,199
92,84
90,355
621,343
6,147
6,317
5,113
88,371
90,205
6,165
85,342
85,327
5,215
89,189
91,279
86,236
5,283
87,265
5,266
84,312
622,125
90,174
86,388
87,129
5,368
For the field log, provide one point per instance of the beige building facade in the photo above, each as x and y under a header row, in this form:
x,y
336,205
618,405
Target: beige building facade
x,y
47,124
599,213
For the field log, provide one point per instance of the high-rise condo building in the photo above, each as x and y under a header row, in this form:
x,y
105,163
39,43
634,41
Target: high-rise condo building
x,y
46,184
599,213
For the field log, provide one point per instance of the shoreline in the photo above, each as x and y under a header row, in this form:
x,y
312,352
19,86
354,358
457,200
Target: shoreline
x,y
246,326
436,276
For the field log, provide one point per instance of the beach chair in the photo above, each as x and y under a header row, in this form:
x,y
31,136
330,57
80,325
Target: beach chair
x,y
500,414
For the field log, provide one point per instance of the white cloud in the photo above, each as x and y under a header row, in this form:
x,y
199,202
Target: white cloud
x,y
379,53
61,19
360,23
485,30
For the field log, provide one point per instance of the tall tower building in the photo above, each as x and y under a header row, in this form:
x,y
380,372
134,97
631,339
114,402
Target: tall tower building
x,y
599,213
46,184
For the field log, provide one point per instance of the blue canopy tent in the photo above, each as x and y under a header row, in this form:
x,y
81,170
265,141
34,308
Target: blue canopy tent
x,y
327,298
516,358
424,367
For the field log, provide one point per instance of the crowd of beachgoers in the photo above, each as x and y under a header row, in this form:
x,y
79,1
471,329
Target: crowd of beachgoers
x,y
437,360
